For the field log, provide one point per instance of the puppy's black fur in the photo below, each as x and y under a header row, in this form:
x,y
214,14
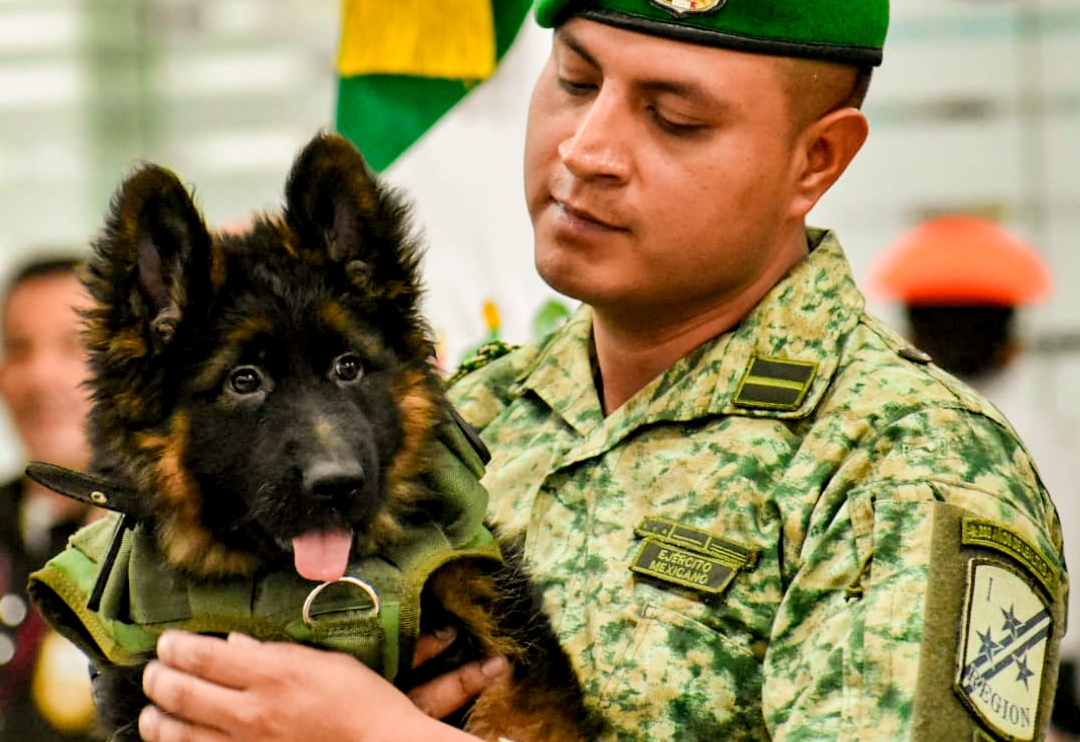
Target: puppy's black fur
x,y
257,389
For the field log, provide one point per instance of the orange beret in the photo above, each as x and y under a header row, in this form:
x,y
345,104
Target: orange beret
x,y
959,260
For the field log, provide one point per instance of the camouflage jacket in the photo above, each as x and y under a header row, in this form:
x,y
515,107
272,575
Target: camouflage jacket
x,y
802,530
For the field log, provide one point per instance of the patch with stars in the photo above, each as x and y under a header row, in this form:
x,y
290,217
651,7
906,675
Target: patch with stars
x,y
1000,662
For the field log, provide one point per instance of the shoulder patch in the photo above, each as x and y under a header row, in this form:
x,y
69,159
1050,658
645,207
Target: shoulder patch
x,y
482,356
991,639
1005,631
980,532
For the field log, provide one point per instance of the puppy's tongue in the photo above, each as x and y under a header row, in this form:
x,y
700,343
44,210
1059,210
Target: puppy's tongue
x,y
322,555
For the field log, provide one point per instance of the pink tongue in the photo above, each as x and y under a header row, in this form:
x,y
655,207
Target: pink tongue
x,y
322,555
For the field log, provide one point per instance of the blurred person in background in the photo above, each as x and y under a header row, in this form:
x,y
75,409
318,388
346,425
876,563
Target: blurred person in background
x,y
44,680
962,281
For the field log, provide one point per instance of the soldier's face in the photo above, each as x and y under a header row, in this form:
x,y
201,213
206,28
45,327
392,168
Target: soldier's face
x,y
659,175
43,366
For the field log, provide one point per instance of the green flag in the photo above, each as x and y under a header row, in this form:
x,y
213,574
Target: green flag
x,y
404,63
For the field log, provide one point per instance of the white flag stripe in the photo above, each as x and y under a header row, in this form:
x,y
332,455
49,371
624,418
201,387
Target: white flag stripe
x,y
465,176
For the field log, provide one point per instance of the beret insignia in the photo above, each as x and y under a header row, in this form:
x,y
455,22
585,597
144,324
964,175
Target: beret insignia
x,y
682,7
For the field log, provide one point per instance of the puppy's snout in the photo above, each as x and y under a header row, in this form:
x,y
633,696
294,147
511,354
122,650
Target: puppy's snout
x,y
330,480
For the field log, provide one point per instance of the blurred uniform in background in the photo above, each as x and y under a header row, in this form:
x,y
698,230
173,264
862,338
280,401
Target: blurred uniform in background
x,y
961,280
44,680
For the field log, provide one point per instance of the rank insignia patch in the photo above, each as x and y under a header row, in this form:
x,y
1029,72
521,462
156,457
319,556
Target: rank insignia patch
x,y
682,7
1005,630
775,383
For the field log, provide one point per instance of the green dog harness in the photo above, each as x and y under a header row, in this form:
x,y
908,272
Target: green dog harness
x,y
112,593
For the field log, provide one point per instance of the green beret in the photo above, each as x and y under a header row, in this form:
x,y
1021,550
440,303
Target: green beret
x,y
847,31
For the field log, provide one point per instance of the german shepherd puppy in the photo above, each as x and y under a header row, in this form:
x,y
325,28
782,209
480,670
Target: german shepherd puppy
x,y
269,399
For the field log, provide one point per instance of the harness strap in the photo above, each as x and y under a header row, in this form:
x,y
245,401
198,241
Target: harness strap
x,y
112,593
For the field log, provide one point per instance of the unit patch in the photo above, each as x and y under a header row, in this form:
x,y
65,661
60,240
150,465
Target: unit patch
x,y
689,557
1005,629
992,625
775,383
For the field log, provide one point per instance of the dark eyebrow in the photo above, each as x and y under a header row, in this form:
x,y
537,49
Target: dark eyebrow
x,y
684,89
688,90
571,41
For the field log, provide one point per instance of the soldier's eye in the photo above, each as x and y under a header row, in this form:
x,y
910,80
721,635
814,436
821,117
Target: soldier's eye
x,y
245,380
347,367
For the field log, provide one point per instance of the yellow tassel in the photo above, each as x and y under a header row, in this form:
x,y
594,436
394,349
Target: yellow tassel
x,y
492,319
452,39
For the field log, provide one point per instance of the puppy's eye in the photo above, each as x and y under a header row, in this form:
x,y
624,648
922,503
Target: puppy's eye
x,y
347,367
245,380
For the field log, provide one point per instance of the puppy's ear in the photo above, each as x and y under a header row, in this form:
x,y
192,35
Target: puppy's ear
x,y
343,215
339,210
331,199
154,257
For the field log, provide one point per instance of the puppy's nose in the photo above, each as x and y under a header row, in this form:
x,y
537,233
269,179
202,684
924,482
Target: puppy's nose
x,y
328,480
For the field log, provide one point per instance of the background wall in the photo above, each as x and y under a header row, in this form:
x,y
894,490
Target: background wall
x,y
222,91
977,107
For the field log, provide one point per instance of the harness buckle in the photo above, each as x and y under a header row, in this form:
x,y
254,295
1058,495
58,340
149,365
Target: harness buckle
x,y
376,605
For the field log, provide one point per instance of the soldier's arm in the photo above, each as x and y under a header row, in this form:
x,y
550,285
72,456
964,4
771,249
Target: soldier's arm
x,y
927,602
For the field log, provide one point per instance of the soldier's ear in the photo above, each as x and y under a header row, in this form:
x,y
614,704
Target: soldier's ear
x,y
824,151
154,256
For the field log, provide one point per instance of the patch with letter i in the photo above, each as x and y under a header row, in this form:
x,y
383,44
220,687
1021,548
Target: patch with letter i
x,y
688,557
1006,628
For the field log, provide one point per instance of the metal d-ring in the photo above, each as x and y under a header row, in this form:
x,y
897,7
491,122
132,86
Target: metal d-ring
x,y
355,582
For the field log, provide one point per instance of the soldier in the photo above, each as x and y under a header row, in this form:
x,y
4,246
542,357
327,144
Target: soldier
x,y
756,512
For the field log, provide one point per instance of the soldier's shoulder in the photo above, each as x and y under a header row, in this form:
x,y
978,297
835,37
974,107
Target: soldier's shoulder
x,y
928,423
905,376
485,381
480,358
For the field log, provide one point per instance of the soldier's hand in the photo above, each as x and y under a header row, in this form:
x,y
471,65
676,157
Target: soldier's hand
x,y
447,693
240,690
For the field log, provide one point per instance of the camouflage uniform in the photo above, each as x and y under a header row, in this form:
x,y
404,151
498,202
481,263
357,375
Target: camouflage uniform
x,y
742,551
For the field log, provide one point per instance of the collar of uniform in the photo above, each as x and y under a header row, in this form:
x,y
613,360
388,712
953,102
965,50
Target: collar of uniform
x,y
802,319
562,374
